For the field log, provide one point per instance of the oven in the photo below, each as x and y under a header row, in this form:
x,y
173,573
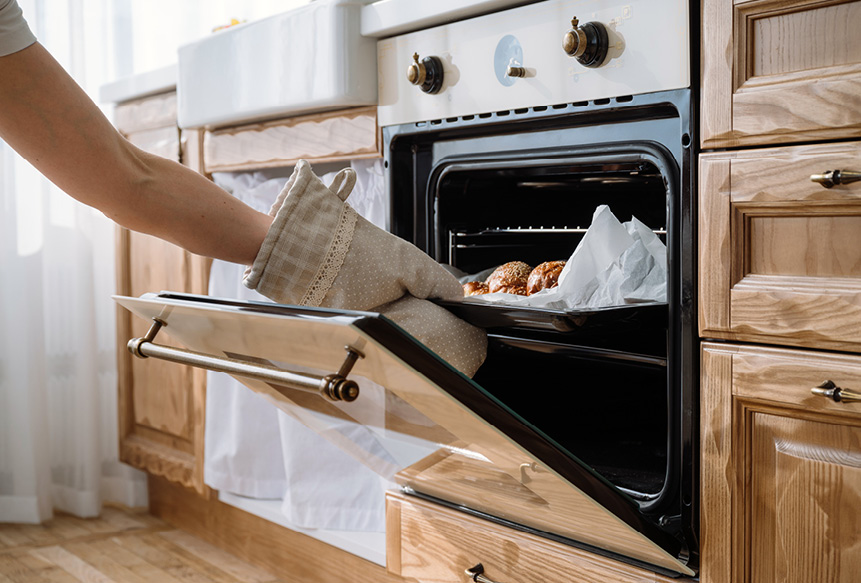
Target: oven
x,y
508,160
500,145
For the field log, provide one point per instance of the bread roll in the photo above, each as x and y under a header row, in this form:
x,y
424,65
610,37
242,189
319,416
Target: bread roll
x,y
509,278
545,276
474,288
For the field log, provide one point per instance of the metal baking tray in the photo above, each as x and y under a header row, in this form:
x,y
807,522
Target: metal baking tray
x,y
618,318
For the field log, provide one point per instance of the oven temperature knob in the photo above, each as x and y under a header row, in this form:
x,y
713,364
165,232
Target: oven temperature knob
x,y
426,73
588,43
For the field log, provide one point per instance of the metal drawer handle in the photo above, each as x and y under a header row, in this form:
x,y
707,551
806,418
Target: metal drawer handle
x,y
335,387
476,574
831,178
831,391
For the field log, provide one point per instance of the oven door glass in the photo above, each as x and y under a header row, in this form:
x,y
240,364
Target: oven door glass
x,y
417,421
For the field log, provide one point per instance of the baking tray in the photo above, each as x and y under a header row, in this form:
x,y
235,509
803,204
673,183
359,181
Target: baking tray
x,y
647,315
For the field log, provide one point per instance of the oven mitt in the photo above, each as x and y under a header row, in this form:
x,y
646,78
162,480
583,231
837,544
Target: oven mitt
x,y
320,252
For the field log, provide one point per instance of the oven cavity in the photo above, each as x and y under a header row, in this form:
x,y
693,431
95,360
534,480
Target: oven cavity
x,y
490,214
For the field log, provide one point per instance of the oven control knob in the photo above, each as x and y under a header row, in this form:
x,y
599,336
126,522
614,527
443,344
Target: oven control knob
x,y
588,43
427,73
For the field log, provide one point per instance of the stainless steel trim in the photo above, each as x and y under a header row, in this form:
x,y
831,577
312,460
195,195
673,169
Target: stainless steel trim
x,y
335,387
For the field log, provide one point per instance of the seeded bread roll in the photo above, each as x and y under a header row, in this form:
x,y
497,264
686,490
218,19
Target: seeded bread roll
x,y
475,288
510,278
545,276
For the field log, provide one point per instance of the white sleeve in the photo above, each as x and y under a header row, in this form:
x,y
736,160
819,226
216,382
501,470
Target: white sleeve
x,y
15,35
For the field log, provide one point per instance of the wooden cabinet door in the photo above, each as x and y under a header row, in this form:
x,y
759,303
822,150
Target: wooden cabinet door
x,y
780,71
161,404
781,467
780,256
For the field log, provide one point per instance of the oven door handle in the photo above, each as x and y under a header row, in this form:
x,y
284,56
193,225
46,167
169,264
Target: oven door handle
x,y
334,387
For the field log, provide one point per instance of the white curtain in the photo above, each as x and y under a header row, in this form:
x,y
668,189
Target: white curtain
x,y
58,398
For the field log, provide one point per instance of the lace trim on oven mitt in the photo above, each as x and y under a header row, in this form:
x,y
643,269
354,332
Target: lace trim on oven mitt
x,y
320,252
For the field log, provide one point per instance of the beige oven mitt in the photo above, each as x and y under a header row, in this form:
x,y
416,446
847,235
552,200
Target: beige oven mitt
x,y
320,252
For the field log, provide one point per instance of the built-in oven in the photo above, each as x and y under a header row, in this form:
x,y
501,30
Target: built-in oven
x,y
503,134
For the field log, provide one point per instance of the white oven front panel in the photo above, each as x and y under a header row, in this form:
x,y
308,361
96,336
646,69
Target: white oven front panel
x,y
648,51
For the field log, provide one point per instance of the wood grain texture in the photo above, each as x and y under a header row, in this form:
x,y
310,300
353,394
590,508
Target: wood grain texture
x,y
779,255
120,546
324,137
718,477
780,71
258,541
786,376
781,469
715,244
803,499
438,544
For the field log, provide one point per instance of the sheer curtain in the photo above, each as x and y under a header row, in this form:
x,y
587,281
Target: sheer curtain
x,y
58,400
58,406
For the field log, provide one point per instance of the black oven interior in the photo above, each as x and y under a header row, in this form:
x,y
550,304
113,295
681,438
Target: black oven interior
x,y
475,193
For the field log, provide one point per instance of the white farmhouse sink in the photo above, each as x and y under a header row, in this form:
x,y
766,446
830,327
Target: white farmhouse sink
x,y
309,59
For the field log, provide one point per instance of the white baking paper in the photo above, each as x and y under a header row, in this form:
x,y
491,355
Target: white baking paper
x,y
614,264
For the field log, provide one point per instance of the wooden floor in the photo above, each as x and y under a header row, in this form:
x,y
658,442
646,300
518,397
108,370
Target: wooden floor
x,y
120,546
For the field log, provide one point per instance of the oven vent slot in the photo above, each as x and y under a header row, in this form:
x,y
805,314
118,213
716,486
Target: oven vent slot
x,y
535,111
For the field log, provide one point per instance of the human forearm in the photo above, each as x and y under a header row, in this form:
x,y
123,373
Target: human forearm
x,y
51,122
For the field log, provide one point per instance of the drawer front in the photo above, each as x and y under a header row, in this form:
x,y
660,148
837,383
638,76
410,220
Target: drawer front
x,y
792,72
780,255
146,113
433,544
326,137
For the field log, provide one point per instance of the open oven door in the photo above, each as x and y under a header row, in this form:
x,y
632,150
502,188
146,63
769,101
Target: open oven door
x,y
372,389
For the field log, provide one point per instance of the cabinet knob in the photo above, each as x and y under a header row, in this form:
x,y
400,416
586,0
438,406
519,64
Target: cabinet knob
x,y
588,43
831,178
831,391
477,574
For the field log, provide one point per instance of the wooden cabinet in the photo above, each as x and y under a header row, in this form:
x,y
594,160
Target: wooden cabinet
x,y
781,466
779,266
780,71
162,405
780,256
434,544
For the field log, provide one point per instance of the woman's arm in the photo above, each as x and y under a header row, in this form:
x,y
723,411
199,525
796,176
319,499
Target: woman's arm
x,y
51,122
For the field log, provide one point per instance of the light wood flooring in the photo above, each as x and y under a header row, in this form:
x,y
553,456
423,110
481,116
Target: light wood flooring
x,y
118,547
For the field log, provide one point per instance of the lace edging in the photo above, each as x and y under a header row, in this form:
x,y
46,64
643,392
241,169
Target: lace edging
x,y
334,259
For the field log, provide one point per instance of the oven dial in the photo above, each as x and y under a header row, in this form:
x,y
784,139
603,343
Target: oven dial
x,y
588,43
427,73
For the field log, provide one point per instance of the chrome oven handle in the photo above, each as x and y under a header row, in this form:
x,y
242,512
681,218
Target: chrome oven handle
x,y
335,387
477,574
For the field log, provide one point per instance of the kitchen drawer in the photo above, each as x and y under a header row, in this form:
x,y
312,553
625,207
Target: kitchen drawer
x,y
434,544
780,71
779,255
326,137
146,113
781,467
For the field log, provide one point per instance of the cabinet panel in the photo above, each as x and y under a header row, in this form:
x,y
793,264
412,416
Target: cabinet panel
x,y
161,404
780,254
433,544
803,501
778,71
781,476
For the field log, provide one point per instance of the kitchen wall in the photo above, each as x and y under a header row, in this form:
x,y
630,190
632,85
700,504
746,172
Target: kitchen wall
x,y
146,33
